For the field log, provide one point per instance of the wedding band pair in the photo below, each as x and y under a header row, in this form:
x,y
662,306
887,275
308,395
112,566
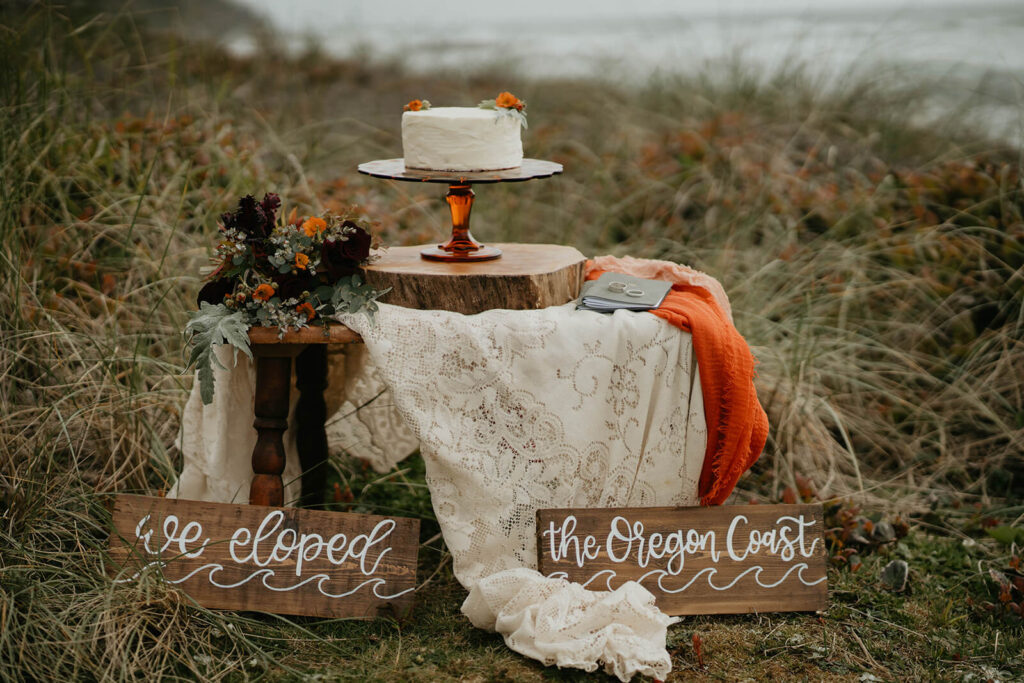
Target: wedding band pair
x,y
618,287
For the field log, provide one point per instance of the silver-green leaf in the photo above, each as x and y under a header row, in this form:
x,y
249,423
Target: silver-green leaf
x,y
211,326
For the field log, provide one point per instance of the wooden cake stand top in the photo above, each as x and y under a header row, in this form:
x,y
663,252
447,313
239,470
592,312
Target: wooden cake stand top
x,y
394,169
528,276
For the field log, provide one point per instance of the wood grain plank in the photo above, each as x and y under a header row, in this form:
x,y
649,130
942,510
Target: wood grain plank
x,y
269,559
335,333
697,560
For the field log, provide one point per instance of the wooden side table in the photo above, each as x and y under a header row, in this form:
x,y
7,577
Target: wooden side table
x,y
528,276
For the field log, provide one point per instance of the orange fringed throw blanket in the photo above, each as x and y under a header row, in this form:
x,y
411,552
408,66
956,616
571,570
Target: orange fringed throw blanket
x,y
737,425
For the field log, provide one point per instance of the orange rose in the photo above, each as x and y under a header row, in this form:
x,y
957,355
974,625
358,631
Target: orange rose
x,y
313,226
301,261
415,105
306,308
507,100
263,292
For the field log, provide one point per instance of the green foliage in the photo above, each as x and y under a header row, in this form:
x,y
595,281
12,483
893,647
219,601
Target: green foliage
x,y
352,295
518,114
214,325
210,327
1007,535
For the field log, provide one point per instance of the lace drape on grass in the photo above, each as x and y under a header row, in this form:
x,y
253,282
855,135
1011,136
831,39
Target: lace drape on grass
x,y
522,410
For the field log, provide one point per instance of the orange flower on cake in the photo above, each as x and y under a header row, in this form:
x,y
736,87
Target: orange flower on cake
x,y
314,226
507,100
507,104
417,105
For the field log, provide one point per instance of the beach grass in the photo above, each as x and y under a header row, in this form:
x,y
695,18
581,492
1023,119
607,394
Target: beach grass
x,y
874,259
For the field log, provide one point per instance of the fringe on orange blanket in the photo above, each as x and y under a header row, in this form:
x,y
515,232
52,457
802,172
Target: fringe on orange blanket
x,y
737,424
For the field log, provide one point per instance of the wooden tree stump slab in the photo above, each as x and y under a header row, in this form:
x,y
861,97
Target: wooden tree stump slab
x,y
527,276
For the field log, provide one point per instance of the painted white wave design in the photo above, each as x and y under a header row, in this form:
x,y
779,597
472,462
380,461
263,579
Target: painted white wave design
x,y
660,574
266,574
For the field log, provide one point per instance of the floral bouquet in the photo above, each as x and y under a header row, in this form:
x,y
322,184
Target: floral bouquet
x,y
277,273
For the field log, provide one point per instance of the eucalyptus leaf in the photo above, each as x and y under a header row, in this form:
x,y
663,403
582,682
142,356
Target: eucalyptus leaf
x,y
351,295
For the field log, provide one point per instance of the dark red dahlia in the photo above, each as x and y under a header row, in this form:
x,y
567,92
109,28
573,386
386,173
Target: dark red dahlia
x,y
340,258
213,292
253,219
289,286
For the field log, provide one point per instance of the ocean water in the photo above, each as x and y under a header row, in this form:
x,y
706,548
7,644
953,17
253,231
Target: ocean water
x,y
974,47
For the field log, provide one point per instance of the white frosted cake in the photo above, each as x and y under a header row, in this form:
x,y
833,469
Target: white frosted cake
x,y
461,139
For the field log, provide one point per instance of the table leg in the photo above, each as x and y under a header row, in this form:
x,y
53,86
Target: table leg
x,y
273,380
310,416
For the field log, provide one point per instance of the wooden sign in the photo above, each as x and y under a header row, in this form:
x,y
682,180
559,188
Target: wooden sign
x,y
697,560
271,559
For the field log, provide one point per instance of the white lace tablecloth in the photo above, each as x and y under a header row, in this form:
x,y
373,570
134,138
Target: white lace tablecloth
x,y
514,411
520,410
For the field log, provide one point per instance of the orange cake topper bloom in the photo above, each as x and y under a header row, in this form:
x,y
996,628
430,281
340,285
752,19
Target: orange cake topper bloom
x,y
509,105
507,100
417,105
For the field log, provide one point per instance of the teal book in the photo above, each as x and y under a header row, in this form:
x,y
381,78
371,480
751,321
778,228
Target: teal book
x,y
614,291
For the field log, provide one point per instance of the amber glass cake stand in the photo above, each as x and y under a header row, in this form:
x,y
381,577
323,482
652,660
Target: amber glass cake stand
x,y
461,247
